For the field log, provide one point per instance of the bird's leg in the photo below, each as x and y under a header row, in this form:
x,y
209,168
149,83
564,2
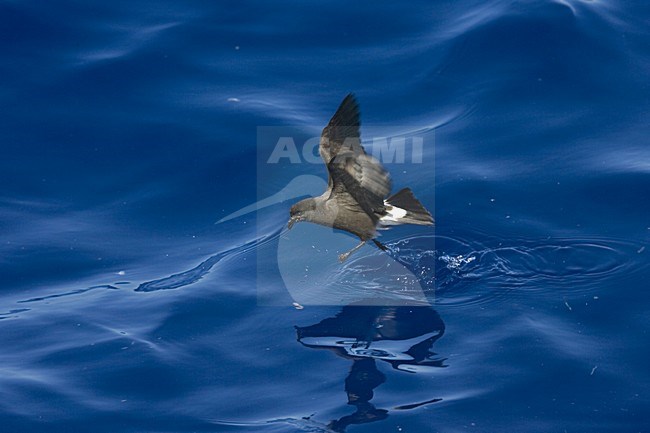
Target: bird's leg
x,y
344,256
380,245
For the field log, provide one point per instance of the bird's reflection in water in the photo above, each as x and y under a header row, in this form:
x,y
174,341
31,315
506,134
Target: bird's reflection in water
x,y
401,336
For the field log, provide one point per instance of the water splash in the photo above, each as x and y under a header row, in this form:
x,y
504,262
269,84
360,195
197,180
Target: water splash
x,y
475,272
455,263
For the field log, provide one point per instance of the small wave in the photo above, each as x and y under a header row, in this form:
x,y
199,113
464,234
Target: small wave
x,y
69,293
181,279
305,424
126,39
195,274
13,313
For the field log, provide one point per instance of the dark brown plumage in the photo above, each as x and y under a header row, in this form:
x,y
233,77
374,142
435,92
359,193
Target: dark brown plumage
x,y
358,185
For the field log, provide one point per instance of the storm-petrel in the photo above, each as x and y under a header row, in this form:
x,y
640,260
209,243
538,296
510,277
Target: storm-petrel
x,y
356,199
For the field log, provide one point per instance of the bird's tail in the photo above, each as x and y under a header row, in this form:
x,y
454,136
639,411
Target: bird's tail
x,y
404,208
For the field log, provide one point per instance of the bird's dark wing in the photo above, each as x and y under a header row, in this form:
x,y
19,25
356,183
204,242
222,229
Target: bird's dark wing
x,y
356,179
342,132
362,179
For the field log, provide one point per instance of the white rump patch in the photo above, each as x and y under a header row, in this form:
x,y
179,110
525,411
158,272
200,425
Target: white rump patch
x,y
393,215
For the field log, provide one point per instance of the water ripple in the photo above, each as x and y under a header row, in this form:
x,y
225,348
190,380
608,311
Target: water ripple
x,y
464,272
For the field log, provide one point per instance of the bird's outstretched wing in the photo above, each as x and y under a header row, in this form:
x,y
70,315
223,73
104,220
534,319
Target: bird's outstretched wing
x,y
342,131
354,176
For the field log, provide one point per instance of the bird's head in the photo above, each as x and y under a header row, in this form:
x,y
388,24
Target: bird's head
x,y
301,211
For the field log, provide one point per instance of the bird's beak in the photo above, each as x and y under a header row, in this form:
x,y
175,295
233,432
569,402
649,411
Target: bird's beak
x,y
292,221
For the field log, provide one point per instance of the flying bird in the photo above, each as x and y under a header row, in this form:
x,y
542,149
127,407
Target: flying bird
x,y
357,196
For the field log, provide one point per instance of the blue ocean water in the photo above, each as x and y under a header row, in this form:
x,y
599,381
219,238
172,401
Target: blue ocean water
x,y
129,128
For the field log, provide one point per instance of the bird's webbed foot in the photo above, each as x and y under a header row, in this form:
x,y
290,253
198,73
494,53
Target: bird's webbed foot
x,y
343,257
